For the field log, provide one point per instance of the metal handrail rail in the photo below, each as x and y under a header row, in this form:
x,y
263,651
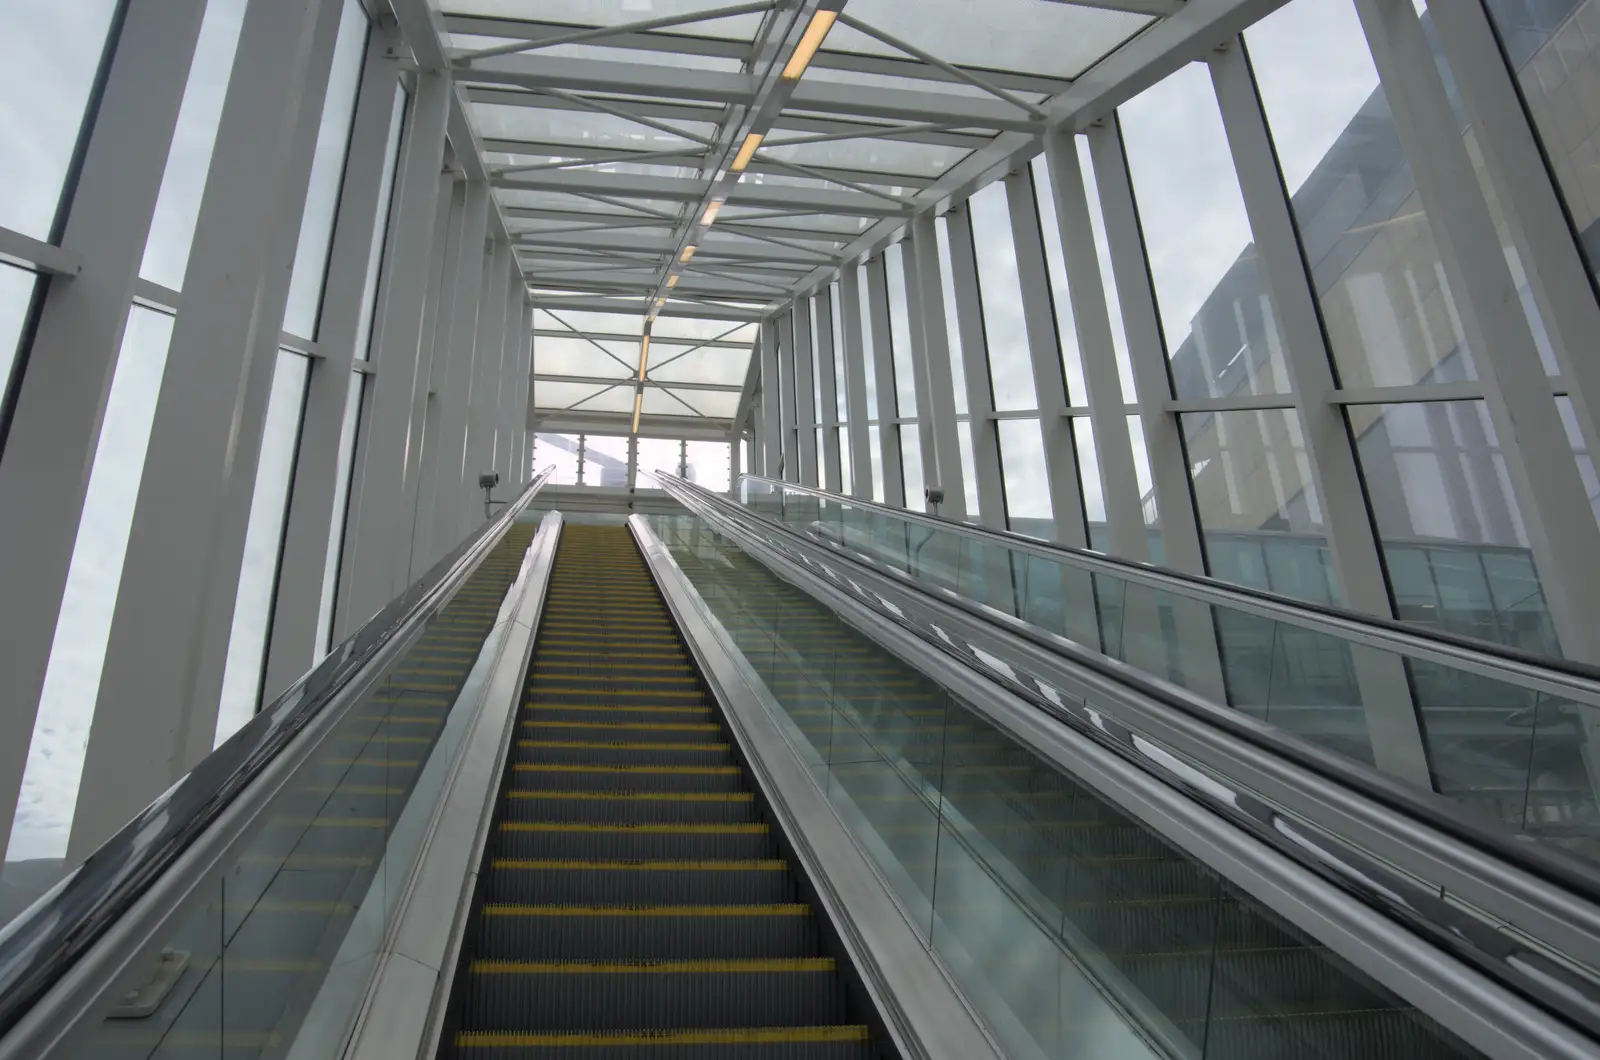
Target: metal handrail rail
x,y
43,943
1556,676
1550,864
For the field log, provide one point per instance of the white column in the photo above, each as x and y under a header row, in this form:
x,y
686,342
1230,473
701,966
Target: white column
x,y
485,391
805,415
1119,483
379,530
735,460
454,350
855,383
931,363
505,446
790,463
1392,723
156,712
308,534
823,300
894,480
1163,436
975,366
770,439
66,376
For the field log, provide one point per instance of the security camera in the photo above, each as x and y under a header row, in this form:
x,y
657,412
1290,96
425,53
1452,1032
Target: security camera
x,y
489,480
934,494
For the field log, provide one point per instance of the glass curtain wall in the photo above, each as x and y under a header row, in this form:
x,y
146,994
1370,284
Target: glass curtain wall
x,y
905,390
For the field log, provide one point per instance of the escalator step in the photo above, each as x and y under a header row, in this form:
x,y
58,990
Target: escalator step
x,y
845,1042
716,882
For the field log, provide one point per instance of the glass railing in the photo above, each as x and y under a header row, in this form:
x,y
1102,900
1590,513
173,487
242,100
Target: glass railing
x,y
1503,733
269,952
1074,929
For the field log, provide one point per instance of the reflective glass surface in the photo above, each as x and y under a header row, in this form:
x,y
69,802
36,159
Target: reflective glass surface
x,y
1000,290
1072,928
1498,745
348,432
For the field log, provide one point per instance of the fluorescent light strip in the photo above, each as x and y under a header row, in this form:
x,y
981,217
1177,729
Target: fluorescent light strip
x,y
644,356
710,217
821,23
746,153
688,252
638,402
672,281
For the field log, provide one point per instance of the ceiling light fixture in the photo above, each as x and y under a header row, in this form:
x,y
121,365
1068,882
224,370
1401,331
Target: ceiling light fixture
x,y
710,217
672,281
644,356
746,152
638,401
688,252
821,23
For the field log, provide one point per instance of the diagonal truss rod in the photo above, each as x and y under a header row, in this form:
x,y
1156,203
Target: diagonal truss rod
x,y
602,32
697,346
623,113
606,159
882,132
814,174
590,341
720,274
1030,109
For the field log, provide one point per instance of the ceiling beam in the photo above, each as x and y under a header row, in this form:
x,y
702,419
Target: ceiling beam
x,y
636,307
693,189
564,421
667,385
601,336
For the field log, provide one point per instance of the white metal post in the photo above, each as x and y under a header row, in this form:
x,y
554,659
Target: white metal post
x,y
855,383
491,342
790,462
1119,483
378,525
1049,381
66,379
455,347
823,300
894,482
931,364
805,398
975,366
156,712
307,536
1392,723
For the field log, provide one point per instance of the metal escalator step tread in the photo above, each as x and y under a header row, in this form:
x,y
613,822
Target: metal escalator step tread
x,y
642,828
638,796
623,745
783,909
696,1037
765,964
564,767
763,865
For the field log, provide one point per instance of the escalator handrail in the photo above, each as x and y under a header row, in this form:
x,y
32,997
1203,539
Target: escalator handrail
x,y
1551,865
1559,676
44,942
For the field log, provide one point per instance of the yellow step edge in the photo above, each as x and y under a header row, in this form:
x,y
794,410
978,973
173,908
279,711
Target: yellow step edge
x,y
652,726
614,691
768,964
530,705
594,745
637,796
660,828
760,865
599,767
787,909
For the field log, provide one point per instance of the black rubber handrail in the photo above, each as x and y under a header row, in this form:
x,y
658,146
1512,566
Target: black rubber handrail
x,y
1210,586
1550,864
45,941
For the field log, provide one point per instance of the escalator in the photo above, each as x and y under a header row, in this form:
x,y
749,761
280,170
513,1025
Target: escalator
x,y
634,901
1198,963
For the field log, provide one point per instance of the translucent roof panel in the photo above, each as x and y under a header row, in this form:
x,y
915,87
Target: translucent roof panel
x,y
510,121
708,364
720,404
660,402
1028,36
596,323
690,328
616,399
609,13
547,395
879,156
932,83
469,42
574,356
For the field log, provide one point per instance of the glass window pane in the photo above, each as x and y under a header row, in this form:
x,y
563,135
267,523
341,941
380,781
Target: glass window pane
x,y
72,681
952,326
50,53
875,451
1436,478
710,465
16,292
1253,488
1094,498
905,390
911,466
1000,291
341,506
605,461
969,464
263,545
845,481
1388,312
560,450
1220,331
1023,473
380,231
327,172
656,454
815,353
166,252
1554,48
